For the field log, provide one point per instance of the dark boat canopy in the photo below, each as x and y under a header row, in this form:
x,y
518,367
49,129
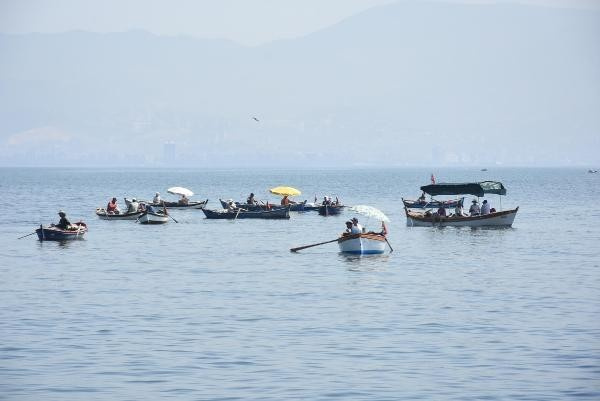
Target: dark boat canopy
x,y
472,188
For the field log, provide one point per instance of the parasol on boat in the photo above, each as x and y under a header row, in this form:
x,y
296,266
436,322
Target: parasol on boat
x,y
285,191
370,211
180,191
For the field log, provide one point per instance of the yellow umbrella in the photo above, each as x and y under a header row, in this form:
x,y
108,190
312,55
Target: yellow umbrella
x,y
283,191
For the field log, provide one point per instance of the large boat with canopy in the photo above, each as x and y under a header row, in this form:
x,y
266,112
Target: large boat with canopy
x,y
479,189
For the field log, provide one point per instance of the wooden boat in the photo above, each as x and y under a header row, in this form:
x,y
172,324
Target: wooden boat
x,y
148,217
496,219
294,207
432,204
53,233
361,244
177,205
330,210
103,215
279,213
479,189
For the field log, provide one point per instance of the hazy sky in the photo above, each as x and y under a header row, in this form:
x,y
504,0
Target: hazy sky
x,y
244,21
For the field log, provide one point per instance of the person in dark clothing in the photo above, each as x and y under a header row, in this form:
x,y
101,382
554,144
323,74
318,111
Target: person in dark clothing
x,y
64,223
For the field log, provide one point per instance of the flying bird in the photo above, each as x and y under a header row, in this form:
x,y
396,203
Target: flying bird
x,y
255,119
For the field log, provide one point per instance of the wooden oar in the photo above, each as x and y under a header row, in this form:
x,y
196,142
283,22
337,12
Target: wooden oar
x,y
167,213
27,235
310,246
390,245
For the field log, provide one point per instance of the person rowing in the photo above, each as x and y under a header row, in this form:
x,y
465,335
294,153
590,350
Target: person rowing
x,y
64,223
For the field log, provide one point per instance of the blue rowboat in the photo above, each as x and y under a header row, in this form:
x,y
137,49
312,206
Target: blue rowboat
x,y
294,207
279,213
53,233
330,210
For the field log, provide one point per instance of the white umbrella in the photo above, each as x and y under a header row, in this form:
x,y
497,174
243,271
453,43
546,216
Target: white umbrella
x,y
370,211
180,191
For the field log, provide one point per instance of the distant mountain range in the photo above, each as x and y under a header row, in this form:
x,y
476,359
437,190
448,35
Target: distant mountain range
x,y
403,84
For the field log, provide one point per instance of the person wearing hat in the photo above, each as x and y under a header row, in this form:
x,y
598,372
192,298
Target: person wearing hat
x,y
474,209
64,223
485,207
132,205
348,227
156,200
356,228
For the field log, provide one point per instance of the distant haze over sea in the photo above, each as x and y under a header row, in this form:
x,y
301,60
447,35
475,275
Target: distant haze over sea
x,y
410,83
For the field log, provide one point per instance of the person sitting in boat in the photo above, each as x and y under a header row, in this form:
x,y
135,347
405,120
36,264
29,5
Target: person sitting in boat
x,y
458,210
441,211
231,206
184,200
348,227
251,200
356,228
132,205
485,207
112,207
156,200
422,199
474,209
64,223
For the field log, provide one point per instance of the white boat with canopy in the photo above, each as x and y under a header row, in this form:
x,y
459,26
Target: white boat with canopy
x,y
366,243
360,243
494,219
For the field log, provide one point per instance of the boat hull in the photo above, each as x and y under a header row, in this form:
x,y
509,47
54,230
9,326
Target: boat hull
x,y
415,204
327,210
279,213
294,207
52,233
362,244
497,219
103,215
153,218
177,205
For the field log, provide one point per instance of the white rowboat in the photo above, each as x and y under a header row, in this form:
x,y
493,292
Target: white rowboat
x,y
153,218
103,215
361,244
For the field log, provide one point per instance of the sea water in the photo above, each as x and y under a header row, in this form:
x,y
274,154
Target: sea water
x,y
222,310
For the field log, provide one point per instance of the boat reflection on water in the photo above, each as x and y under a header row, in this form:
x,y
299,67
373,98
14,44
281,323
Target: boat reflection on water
x,y
365,262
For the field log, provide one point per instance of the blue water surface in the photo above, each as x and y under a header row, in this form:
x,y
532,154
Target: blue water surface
x,y
222,310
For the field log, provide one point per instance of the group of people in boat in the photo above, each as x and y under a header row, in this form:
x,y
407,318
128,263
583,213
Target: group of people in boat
x,y
133,205
354,227
474,210
327,201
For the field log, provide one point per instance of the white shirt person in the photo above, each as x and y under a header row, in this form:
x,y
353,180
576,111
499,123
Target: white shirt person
x,y
485,207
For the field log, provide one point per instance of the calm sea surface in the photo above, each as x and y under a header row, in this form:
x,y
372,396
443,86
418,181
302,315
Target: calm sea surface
x,y
221,310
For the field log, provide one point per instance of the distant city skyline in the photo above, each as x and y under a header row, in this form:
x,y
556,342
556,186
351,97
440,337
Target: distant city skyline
x,y
409,83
